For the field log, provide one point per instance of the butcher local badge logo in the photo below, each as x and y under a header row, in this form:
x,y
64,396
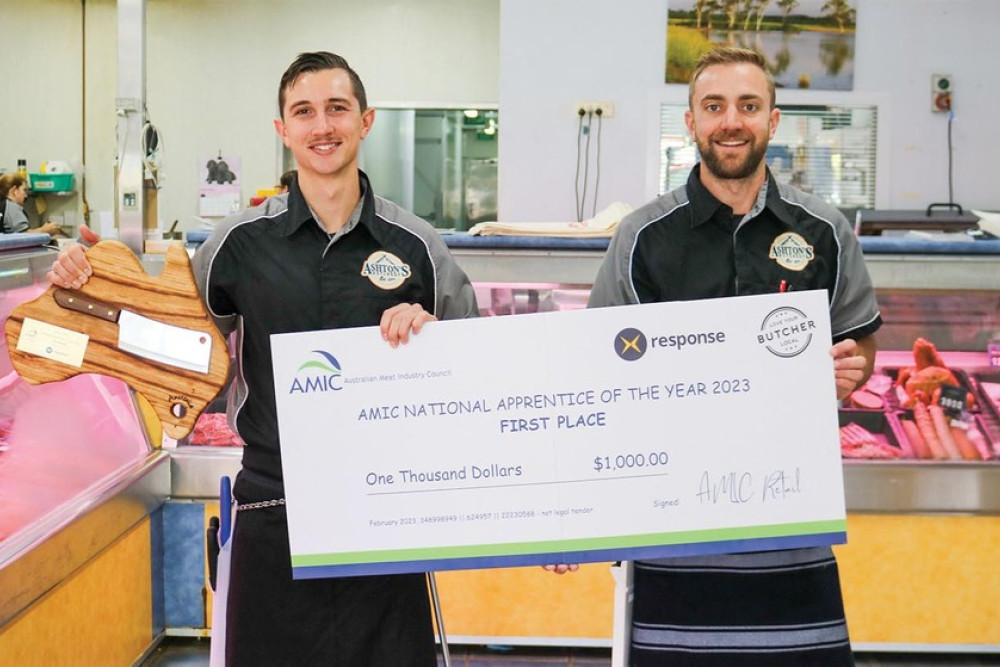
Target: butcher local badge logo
x,y
791,251
385,270
786,332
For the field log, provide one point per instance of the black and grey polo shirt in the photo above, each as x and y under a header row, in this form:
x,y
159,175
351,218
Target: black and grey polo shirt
x,y
274,269
688,245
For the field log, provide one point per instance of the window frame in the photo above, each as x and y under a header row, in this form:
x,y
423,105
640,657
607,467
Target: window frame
x,y
677,95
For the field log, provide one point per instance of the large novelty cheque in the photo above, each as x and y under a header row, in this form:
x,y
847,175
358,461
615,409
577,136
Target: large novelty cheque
x,y
610,434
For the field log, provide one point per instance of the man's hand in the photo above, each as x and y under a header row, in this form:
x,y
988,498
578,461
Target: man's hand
x,y
71,268
400,320
852,364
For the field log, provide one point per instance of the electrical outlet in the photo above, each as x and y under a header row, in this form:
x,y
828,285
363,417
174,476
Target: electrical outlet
x,y
607,108
942,88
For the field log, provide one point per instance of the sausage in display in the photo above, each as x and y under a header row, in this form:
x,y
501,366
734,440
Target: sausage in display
x,y
923,419
943,429
965,446
979,442
916,441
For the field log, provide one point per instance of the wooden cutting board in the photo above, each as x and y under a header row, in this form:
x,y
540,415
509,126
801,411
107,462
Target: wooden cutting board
x,y
177,395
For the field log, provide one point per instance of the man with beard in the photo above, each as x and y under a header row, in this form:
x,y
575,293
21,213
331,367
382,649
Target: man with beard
x,y
732,231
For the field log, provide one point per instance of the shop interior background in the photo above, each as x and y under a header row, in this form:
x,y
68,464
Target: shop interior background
x,y
212,68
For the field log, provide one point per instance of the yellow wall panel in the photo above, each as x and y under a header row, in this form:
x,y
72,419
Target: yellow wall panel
x,y
922,579
100,615
906,579
149,419
211,509
528,602
515,602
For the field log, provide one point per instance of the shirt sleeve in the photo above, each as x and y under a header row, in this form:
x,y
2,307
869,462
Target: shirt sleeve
x,y
456,298
14,219
613,283
207,260
854,311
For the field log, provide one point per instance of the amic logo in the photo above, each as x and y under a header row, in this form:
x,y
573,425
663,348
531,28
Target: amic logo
x,y
786,332
320,373
630,344
791,251
385,270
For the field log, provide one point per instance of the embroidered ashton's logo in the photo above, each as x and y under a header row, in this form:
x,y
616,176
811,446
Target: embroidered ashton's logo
x,y
385,270
791,251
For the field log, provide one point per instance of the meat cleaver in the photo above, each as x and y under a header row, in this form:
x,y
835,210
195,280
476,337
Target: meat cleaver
x,y
144,337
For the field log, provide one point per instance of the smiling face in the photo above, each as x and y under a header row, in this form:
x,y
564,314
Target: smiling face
x,y
322,123
731,120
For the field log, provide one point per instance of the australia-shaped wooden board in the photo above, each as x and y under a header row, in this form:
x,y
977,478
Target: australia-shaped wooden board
x,y
154,334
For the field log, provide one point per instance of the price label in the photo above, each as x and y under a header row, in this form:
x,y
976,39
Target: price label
x,y
953,400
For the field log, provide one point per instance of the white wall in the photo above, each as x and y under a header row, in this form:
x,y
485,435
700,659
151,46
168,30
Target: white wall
x,y
214,65
212,74
40,91
900,44
554,53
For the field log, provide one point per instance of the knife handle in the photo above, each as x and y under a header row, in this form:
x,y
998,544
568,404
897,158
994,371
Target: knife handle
x,y
71,300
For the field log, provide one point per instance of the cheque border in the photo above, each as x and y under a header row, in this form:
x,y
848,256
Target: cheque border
x,y
628,547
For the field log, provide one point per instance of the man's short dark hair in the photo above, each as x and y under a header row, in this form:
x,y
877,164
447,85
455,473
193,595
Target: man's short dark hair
x,y
730,55
316,61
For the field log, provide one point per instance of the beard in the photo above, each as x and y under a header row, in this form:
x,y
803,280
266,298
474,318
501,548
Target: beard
x,y
731,168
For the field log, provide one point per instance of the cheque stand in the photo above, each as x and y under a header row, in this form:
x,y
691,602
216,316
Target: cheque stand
x,y
621,630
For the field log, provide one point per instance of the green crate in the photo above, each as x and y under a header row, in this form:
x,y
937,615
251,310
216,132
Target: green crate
x,y
50,182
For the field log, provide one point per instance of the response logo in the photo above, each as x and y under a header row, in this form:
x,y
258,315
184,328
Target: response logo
x,y
385,270
791,251
319,374
786,332
630,344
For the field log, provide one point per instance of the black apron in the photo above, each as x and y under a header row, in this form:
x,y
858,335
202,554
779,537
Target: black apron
x,y
273,620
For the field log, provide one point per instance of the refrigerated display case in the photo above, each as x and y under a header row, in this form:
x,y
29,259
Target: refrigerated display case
x,y
79,481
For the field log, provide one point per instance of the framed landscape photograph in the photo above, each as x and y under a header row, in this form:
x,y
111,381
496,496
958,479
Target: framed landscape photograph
x,y
807,43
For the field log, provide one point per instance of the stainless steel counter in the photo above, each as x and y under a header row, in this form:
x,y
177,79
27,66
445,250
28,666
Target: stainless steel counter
x,y
918,487
934,272
578,267
195,471
41,555
565,267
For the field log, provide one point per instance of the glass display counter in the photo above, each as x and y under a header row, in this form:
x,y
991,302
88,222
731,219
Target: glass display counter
x,y
78,481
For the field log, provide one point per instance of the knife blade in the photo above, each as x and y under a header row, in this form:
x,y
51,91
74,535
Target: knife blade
x,y
144,337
